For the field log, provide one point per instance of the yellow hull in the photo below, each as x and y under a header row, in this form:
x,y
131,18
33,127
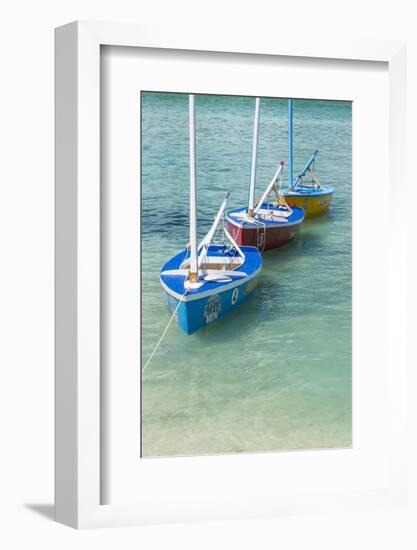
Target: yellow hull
x,y
312,205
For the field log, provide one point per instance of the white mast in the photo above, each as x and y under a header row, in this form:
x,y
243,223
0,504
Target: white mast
x,y
193,274
254,157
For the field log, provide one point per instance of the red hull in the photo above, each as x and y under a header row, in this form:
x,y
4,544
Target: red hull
x,y
263,238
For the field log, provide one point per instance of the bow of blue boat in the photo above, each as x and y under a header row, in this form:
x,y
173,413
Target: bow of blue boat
x,y
220,287
174,274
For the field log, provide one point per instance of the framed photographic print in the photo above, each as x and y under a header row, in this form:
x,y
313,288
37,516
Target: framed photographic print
x,y
229,331
275,373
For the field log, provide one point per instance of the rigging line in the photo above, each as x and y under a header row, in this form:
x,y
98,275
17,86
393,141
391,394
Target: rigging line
x,y
163,334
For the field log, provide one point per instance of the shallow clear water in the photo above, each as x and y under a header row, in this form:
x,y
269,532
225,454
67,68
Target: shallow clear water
x,y
276,373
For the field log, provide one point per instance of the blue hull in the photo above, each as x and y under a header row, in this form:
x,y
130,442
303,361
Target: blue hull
x,y
211,300
194,314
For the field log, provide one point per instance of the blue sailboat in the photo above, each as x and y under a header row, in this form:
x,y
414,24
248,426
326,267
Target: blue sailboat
x,y
204,282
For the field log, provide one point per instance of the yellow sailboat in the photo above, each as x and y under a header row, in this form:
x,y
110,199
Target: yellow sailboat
x,y
312,196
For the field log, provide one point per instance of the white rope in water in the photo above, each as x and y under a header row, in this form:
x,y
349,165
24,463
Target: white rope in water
x,y
163,334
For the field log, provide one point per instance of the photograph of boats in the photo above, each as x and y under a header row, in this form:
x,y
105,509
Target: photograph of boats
x,y
246,279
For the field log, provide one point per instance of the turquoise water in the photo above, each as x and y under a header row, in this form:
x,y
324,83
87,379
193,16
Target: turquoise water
x,y
276,373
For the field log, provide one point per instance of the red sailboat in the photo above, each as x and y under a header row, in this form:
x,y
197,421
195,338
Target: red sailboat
x,y
265,225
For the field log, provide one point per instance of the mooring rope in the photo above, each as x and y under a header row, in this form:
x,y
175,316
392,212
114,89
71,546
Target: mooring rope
x,y
163,334
263,225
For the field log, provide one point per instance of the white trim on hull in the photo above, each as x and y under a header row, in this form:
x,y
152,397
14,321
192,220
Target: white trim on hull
x,y
190,298
261,222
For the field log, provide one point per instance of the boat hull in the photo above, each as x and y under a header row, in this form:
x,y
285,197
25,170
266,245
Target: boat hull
x,y
194,314
265,235
313,204
263,238
211,299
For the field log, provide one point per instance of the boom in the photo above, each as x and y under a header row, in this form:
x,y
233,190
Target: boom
x,y
209,237
270,186
305,169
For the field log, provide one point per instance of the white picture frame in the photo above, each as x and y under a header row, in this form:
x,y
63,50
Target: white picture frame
x,y
78,265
